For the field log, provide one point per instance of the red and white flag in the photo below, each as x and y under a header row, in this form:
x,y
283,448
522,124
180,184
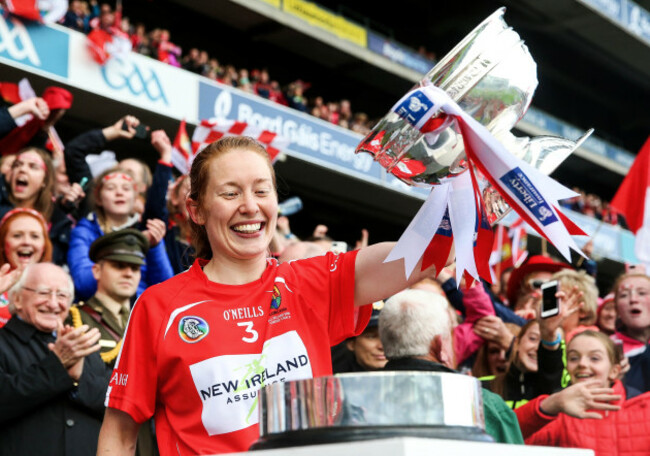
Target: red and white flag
x,y
633,201
209,131
509,247
182,150
104,44
47,11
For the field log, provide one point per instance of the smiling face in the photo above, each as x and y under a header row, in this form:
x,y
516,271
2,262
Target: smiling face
x,y
633,303
27,177
117,195
368,350
528,345
24,242
44,313
239,206
588,359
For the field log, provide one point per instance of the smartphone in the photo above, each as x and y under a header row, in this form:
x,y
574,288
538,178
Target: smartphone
x,y
339,247
141,132
550,304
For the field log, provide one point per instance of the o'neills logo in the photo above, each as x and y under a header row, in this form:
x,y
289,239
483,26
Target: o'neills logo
x,y
524,190
192,329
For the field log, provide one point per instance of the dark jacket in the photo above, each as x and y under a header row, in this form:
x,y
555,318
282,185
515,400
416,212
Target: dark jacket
x,y
500,421
41,411
638,377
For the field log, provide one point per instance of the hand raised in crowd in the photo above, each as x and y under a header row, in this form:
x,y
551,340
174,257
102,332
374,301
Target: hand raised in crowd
x,y
35,106
74,344
577,400
8,277
492,329
155,231
123,128
571,302
320,231
363,242
161,142
73,195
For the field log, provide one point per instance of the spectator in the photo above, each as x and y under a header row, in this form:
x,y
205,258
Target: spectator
x,y
526,280
364,352
606,320
263,87
114,198
415,332
632,298
570,281
53,381
35,131
76,17
592,360
494,358
168,52
117,258
23,241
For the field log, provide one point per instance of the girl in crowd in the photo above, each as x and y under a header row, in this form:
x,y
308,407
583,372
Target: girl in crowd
x,y
23,241
493,358
30,184
632,297
593,362
113,203
199,346
536,359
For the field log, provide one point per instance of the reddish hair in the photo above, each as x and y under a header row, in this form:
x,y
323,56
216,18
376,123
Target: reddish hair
x,y
4,229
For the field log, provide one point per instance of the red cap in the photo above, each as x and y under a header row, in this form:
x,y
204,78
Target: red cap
x,y
534,264
57,98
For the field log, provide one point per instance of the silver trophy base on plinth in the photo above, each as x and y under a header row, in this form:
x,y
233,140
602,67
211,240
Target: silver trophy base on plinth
x,y
352,407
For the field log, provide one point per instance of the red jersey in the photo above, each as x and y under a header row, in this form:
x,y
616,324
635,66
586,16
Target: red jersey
x,y
196,352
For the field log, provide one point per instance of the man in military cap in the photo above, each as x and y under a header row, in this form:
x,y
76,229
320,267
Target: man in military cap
x,y
118,257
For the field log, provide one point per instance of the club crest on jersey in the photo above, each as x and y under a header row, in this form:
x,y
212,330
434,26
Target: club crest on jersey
x,y
276,298
192,329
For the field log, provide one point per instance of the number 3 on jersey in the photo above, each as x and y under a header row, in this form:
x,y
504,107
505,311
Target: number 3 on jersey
x,y
249,330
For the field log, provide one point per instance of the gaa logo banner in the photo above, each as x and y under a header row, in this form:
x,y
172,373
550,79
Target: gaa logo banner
x,y
192,329
34,45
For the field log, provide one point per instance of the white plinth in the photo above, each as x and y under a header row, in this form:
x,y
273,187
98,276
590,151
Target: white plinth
x,y
411,446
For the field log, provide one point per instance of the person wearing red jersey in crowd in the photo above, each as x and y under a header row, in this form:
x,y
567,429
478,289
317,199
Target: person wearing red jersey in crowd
x,y
23,241
199,346
594,366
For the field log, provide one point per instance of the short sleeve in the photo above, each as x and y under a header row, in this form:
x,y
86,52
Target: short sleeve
x,y
334,274
133,384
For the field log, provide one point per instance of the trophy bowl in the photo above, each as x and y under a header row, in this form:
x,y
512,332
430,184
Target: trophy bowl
x,y
490,74
372,405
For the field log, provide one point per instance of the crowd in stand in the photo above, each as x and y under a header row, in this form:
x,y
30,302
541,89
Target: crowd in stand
x,y
593,206
84,16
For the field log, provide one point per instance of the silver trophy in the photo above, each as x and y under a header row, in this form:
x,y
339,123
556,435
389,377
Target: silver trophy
x,y
491,75
371,405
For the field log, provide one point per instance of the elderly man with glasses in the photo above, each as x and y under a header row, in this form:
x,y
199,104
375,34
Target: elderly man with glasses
x,y
52,381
